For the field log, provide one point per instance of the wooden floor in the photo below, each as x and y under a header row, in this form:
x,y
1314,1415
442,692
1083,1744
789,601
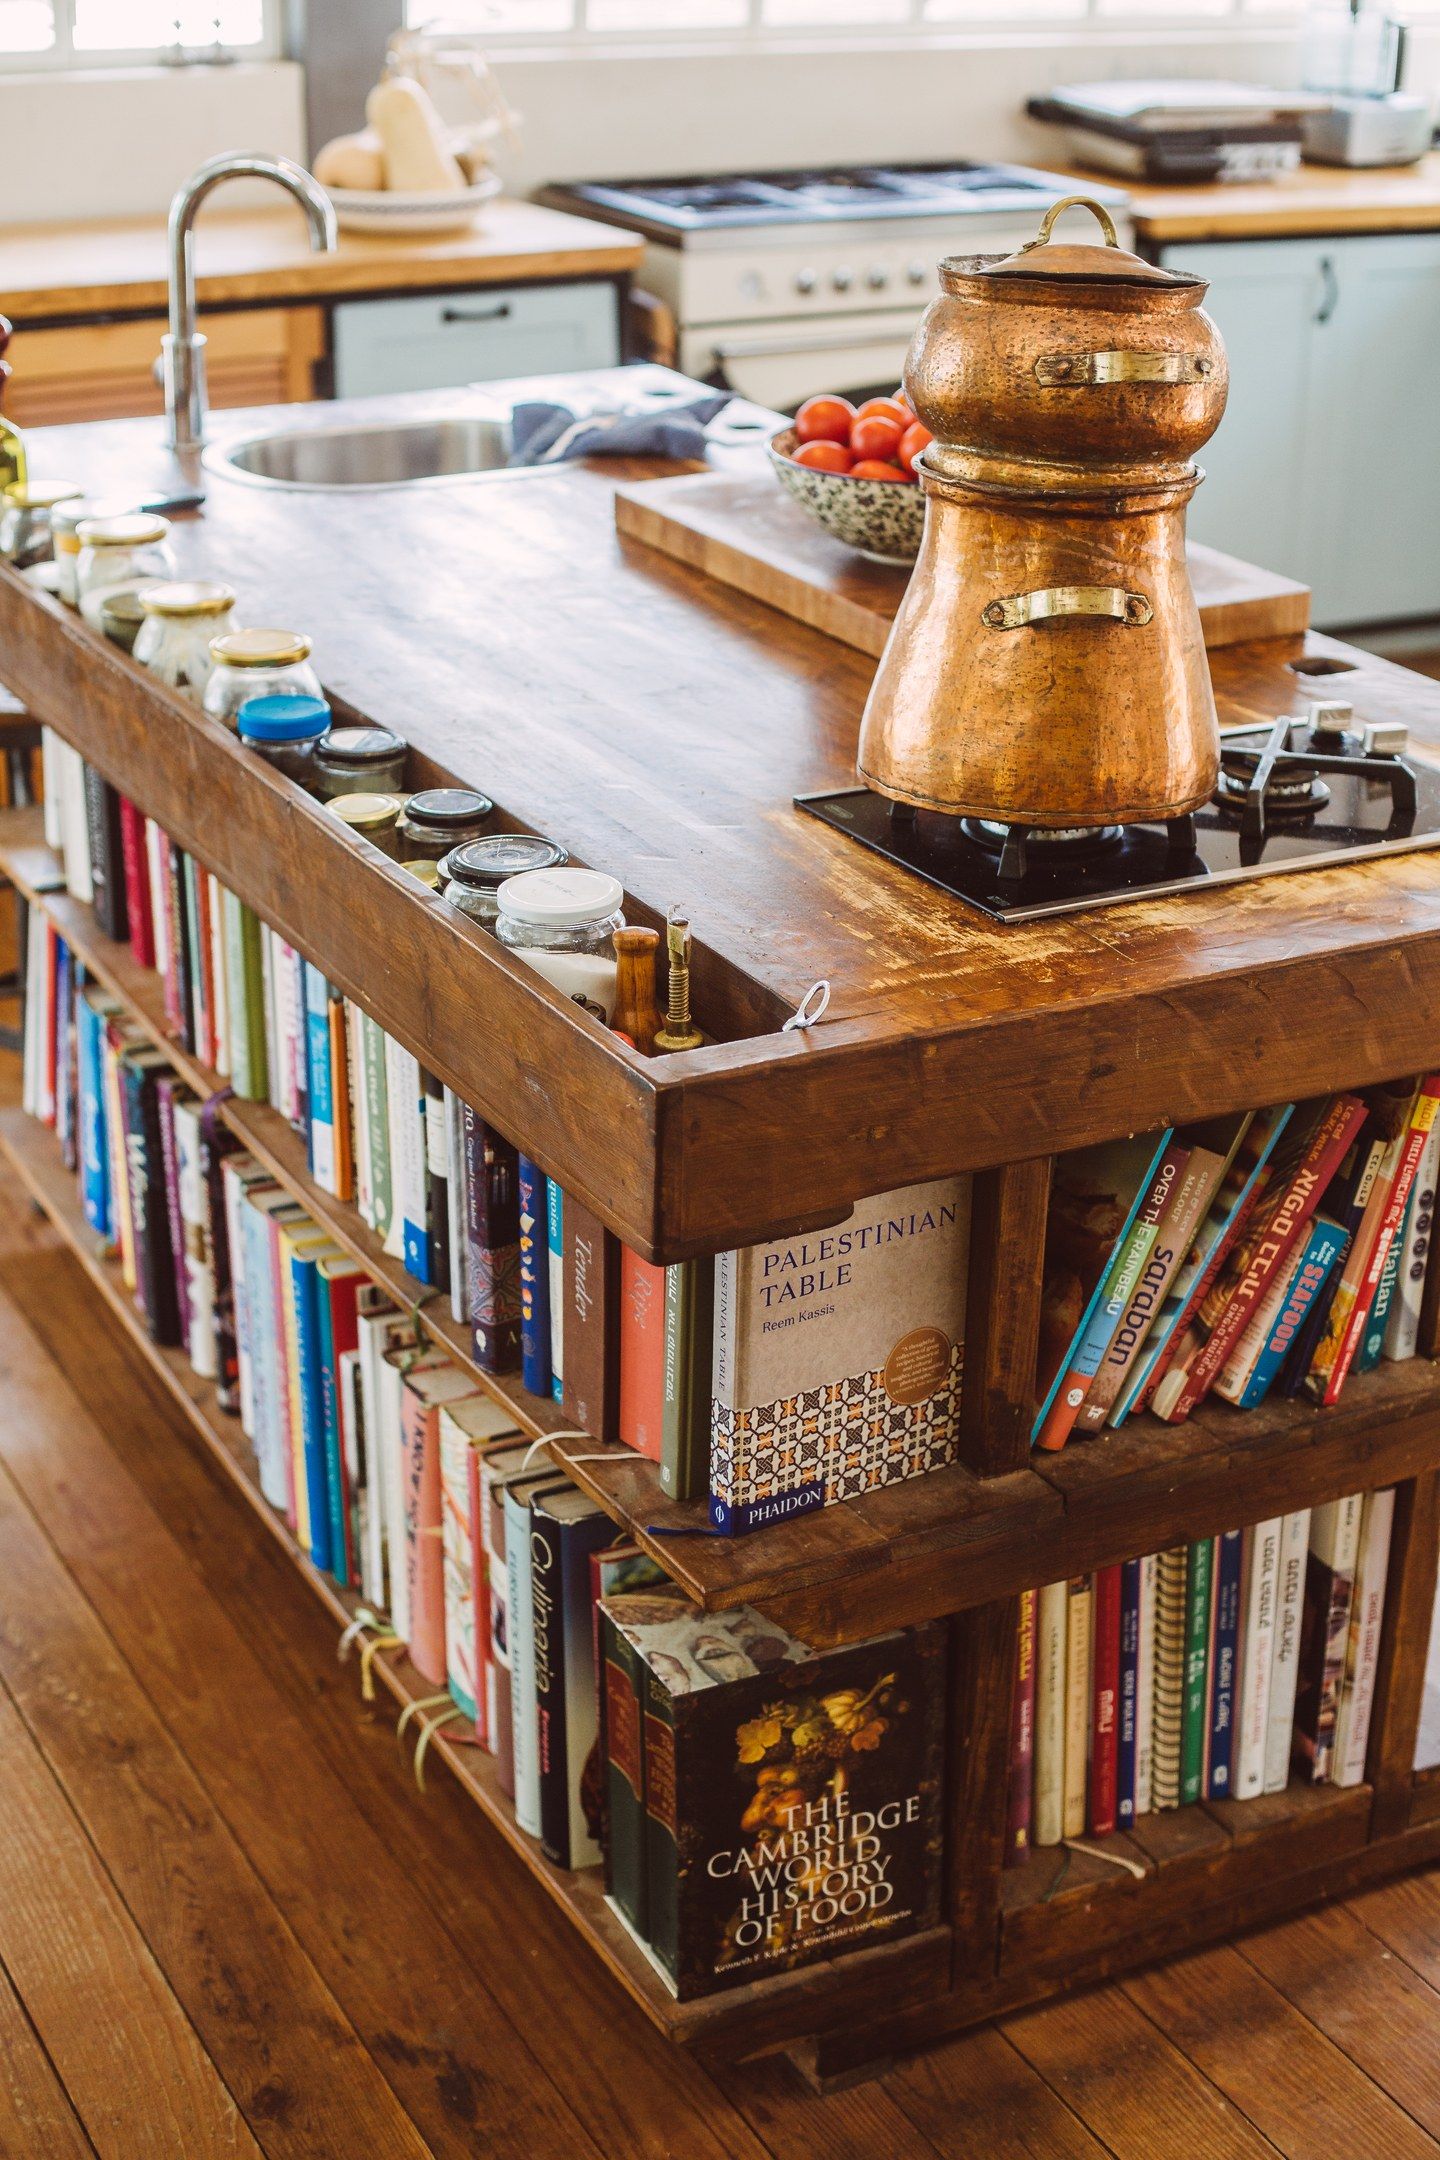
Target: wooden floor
x,y
230,1925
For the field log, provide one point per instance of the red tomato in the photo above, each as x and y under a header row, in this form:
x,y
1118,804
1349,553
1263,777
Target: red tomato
x,y
823,456
912,442
877,469
902,399
824,419
886,408
875,436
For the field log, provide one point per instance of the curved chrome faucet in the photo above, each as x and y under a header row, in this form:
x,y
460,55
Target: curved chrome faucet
x,y
183,351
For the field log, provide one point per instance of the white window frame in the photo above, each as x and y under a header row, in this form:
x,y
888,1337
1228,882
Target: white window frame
x,y
62,57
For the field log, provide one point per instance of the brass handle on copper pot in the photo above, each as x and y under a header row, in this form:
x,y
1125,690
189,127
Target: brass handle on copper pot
x,y
1112,601
1073,202
1073,371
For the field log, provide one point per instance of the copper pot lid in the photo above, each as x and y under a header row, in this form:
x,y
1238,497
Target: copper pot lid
x,y
1043,261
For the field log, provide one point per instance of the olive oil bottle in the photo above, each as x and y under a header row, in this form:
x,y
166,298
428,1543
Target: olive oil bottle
x,y
13,471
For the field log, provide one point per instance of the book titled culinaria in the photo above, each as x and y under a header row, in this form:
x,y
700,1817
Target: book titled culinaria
x,y
837,1356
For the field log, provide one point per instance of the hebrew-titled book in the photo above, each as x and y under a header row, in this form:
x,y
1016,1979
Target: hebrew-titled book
x,y
1049,1780
1128,1712
1224,1656
1283,1314
792,1797
1019,1804
1079,1640
1402,1324
1285,1652
838,1355
1324,1632
1105,1703
1198,1579
1362,1657
1345,1329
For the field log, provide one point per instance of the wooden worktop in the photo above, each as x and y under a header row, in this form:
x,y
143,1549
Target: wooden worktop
x,y
49,272
659,725
1313,199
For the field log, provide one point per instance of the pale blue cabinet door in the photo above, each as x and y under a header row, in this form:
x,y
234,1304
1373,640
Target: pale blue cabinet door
x,y
438,341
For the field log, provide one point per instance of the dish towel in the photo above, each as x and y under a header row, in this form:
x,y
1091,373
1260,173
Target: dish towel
x,y
543,434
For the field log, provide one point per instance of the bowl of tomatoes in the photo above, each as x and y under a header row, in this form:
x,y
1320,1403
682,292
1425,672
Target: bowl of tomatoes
x,y
853,468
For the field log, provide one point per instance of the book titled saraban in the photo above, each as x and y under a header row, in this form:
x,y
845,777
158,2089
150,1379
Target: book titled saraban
x,y
838,1355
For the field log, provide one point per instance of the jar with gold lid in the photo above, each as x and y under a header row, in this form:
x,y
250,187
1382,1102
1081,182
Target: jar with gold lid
x,y
182,620
66,518
25,514
121,554
258,663
370,814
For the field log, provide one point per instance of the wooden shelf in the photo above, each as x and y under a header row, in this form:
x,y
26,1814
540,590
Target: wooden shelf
x,y
771,2010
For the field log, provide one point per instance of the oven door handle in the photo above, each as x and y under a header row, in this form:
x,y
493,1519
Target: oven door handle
x,y
781,348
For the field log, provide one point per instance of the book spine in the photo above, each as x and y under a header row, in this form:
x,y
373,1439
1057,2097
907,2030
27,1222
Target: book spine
x,y
1329,1590
1422,1121
1049,1769
197,1244
340,1088
165,1092
304,1292
688,1355
459,1244
592,1320
1019,1806
524,1723
1120,1280
219,975
481,1649
1402,1329
1192,1186
1198,1580
1129,1706
1172,1568
623,1724
1303,1288
459,1473
1078,1625
1285,1654
437,1179
1105,1699
553,1767
662,1849
555,1258
1352,1725
1229,1557
1165,1380
373,1081
334,1498
534,1279
1145,1690
94,1159
425,1557
407,1157
1261,1583
318,1079
107,856
137,884
493,1235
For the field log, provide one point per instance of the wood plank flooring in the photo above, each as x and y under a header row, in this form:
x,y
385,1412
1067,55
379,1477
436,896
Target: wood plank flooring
x,y
229,1925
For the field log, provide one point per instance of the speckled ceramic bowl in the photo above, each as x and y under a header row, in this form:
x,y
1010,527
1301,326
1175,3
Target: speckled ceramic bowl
x,y
882,518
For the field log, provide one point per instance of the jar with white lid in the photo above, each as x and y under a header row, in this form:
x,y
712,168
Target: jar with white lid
x,y
181,622
473,874
562,923
258,663
65,521
121,554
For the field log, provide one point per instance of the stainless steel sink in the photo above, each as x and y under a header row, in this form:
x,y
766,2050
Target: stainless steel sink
x,y
388,454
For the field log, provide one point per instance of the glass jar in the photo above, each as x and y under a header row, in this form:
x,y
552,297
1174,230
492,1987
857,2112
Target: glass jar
x,y
359,760
181,622
474,872
122,617
562,923
425,872
438,819
65,521
373,816
121,554
25,512
284,731
258,663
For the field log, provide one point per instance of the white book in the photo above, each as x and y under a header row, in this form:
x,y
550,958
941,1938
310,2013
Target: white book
x,y
1330,1569
1080,1598
379,1328
69,768
234,1183
1050,1625
274,1092
1367,1612
455,1202
156,857
1259,1581
195,1228
388,1464
50,781
347,1378
463,1426
1145,1691
220,976
360,1113
1402,1329
406,1238
1285,1656
524,1711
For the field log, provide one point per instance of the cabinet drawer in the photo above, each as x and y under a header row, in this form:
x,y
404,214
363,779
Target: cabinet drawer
x,y
440,341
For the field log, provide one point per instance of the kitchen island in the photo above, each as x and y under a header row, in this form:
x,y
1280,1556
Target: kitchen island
x,y
659,726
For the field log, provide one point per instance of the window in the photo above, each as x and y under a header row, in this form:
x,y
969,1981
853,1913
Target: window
x,y
533,22
128,33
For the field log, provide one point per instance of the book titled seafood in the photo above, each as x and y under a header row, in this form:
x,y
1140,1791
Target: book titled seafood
x,y
837,1356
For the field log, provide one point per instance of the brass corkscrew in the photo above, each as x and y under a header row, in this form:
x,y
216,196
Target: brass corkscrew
x,y
679,1031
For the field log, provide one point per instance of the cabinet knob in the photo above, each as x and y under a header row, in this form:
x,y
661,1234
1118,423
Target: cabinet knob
x,y
842,279
877,277
805,281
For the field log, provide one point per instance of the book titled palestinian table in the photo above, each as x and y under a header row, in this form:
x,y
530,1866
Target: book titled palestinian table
x,y
838,1355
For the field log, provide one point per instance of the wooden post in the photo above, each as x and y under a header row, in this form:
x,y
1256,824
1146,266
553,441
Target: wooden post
x,y
1002,1319
982,1686
1400,1682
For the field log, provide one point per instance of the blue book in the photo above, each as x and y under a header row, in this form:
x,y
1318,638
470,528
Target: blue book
x,y
1347,1200
534,1280
64,1012
1223,1664
555,1239
330,1434
304,1290
319,1091
94,1135
1323,1247
1373,1340
1128,1716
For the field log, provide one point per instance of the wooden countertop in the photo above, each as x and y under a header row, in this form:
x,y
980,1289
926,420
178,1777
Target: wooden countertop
x,y
108,266
1314,199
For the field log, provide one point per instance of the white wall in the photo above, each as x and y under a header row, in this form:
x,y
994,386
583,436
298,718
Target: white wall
x,y
76,145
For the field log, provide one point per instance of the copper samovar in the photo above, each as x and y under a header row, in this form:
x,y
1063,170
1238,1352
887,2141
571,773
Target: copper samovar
x,y
1047,666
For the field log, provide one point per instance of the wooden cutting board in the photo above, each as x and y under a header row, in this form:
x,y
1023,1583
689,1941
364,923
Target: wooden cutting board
x,y
741,528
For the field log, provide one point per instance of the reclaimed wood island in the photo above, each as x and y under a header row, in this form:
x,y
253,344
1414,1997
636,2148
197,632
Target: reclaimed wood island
x,y
659,725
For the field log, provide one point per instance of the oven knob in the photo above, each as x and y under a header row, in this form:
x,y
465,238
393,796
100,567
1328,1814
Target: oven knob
x,y
877,277
842,279
805,281
917,272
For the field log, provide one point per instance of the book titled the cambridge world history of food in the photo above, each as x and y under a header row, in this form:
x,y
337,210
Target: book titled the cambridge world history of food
x,y
838,1355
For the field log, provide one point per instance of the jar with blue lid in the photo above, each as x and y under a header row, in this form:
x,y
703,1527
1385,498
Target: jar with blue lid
x,y
284,731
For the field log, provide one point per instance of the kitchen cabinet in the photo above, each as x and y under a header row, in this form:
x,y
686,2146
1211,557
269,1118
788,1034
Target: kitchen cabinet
x,y
106,370
1327,463
437,341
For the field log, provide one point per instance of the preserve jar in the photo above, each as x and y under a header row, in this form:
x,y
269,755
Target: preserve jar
x,y
65,521
121,618
424,872
562,923
121,554
372,815
438,819
474,873
181,623
25,514
258,663
284,731
359,760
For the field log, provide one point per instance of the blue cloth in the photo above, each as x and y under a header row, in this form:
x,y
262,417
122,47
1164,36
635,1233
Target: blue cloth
x,y
545,434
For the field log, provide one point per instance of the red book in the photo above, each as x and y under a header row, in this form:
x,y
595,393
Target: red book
x,y
138,914
204,972
1105,1702
1021,1795
1204,1284
344,1279
1417,1132
425,1388
1269,1251
642,1353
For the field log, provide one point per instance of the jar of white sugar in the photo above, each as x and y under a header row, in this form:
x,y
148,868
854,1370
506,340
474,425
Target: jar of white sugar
x,y
562,923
